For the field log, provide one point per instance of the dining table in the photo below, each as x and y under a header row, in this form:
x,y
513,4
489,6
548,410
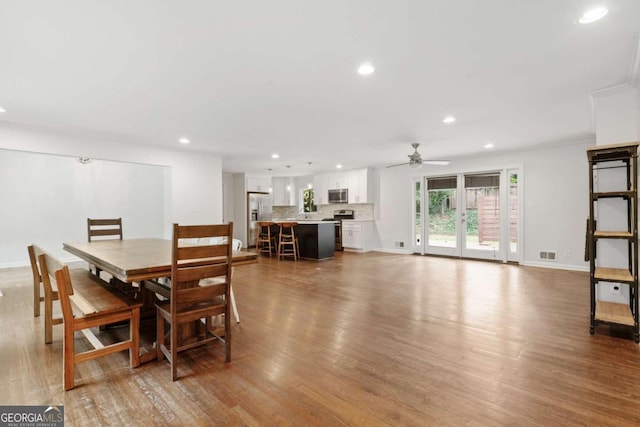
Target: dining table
x,y
142,261
135,260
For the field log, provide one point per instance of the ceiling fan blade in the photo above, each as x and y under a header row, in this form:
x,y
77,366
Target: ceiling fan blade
x,y
399,164
436,162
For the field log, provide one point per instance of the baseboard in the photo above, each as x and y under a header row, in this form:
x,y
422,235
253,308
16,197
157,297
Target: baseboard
x,y
556,266
394,251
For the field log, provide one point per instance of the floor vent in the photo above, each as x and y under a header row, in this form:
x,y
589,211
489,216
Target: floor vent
x,y
548,255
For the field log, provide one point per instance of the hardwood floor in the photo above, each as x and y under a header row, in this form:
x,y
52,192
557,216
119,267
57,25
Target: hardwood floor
x,y
363,339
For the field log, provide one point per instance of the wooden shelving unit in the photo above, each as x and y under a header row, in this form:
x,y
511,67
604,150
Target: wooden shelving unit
x,y
622,158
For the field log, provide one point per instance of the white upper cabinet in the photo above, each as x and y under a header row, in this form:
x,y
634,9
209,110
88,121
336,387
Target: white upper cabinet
x,y
358,182
360,188
284,191
320,189
258,183
338,180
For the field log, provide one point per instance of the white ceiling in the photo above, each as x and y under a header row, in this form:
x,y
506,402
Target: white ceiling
x,y
244,79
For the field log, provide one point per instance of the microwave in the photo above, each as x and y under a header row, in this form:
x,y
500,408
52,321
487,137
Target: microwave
x,y
340,195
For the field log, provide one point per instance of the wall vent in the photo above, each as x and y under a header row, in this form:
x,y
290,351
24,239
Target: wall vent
x,y
548,255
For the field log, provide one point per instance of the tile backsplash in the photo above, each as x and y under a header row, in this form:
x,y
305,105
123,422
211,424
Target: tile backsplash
x,y
361,211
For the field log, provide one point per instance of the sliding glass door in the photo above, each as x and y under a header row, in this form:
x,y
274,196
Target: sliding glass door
x,y
470,215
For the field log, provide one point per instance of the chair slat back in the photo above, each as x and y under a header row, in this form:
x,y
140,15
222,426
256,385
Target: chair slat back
x,y
104,228
200,252
34,252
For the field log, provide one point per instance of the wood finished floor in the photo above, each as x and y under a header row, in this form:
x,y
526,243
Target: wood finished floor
x,y
364,339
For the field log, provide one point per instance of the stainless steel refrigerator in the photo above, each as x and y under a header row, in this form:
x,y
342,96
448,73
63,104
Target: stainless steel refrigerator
x,y
259,208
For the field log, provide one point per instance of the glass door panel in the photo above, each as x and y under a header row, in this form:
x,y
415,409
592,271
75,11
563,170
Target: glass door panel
x,y
417,223
514,221
481,217
443,215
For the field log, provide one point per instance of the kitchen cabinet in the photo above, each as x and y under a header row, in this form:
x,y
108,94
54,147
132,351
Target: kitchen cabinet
x,y
358,182
284,191
337,180
613,235
258,183
360,186
316,239
320,189
357,235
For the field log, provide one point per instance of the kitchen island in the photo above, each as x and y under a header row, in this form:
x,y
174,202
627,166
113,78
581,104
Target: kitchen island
x,y
316,238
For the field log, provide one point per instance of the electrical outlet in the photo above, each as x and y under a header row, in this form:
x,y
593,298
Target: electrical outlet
x,y
615,290
567,252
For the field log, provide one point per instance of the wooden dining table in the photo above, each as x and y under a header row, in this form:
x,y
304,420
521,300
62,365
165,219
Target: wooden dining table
x,y
138,260
135,260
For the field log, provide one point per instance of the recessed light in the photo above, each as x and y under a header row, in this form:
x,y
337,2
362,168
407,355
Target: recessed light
x,y
338,166
2,110
366,69
449,119
275,156
488,146
184,140
593,15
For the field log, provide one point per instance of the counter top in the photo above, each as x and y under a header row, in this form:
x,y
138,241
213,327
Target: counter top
x,y
358,220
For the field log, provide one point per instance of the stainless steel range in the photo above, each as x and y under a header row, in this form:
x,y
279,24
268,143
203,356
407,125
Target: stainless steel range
x,y
338,216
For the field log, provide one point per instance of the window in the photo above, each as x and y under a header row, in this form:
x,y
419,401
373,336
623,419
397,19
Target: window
x,y
307,201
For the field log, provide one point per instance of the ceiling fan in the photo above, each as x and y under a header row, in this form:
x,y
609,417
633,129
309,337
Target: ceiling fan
x,y
416,162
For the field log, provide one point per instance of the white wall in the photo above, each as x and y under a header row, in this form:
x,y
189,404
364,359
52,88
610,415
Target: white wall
x,y
240,208
555,190
617,115
50,197
227,197
193,187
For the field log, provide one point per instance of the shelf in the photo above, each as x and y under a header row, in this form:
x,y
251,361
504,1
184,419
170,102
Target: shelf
x,y
622,162
612,152
613,235
613,274
610,194
614,313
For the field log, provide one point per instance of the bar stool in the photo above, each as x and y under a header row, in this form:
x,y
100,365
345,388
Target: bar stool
x,y
287,241
264,240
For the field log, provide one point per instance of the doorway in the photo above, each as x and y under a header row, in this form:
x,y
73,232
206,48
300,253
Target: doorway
x,y
469,215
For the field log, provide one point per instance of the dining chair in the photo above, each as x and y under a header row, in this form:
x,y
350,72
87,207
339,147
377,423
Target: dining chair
x,y
99,228
194,301
37,281
50,294
103,229
87,303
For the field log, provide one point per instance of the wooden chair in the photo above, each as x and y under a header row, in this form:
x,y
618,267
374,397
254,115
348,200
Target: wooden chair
x,y
103,229
50,295
192,300
287,241
265,241
37,281
50,291
95,305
